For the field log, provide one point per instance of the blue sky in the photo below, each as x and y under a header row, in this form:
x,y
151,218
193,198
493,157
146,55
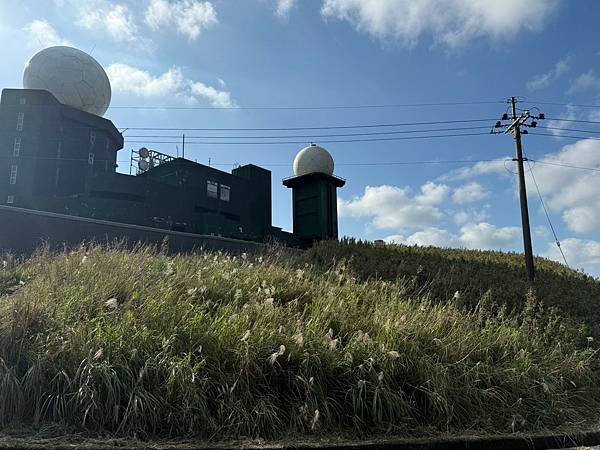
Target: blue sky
x,y
257,53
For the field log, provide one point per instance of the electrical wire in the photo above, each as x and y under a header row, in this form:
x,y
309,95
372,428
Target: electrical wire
x,y
566,165
558,119
289,108
305,108
565,136
330,141
376,133
546,212
563,104
576,130
326,127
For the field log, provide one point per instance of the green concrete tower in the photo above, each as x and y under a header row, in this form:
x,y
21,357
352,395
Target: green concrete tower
x,y
314,195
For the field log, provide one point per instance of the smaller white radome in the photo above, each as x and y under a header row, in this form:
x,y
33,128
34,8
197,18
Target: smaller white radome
x,y
313,159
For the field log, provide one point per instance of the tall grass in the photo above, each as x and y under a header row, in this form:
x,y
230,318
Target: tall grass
x,y
440,273
139,343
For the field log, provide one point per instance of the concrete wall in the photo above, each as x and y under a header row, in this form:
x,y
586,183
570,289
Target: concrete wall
x,y
23,230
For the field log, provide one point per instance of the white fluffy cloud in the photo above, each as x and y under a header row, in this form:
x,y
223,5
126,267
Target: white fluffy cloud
x,y
42,34
482,168
284,7
169,86
585,82
487,236
432,194
469,193
189,17
436,237
545,79
392,207
572,192
116,20
580,254
463,217
450,22
481,235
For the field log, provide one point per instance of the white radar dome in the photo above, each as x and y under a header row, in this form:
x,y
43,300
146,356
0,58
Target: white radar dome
x,y
72,76
313,159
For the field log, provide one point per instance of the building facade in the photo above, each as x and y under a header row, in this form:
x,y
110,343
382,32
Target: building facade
x,y
58,159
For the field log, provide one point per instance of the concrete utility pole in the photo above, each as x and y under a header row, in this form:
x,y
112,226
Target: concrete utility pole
x,y
515,128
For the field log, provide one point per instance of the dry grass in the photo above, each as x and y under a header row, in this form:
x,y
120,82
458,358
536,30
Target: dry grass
x,y
139,343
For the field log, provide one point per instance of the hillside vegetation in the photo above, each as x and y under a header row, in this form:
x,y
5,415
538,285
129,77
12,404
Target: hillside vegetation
x,y
440,273
141,343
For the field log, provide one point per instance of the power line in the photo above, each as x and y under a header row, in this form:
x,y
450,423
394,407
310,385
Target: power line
x,y
326,127
376,133
305,108
576,130
331,141
566,165
566,136
563,104
546,212
573,120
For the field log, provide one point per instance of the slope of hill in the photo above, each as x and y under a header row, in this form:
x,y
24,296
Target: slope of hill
x,y
441,273
215,346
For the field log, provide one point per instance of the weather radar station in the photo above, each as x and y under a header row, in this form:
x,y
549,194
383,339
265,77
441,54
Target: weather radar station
x,y
61,185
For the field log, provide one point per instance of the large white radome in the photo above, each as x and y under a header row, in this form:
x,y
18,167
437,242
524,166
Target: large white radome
x,y
313,159
72,76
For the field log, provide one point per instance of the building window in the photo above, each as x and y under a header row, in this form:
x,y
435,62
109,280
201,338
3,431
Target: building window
x,y
212,189
13,174
92,138
17,146
91,159
225,193
20,120
10,199
22,100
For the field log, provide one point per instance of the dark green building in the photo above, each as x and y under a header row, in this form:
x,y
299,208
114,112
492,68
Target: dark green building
x,y
59,159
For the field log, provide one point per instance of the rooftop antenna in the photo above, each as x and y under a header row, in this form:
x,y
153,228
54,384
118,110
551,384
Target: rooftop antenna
x,y
183,147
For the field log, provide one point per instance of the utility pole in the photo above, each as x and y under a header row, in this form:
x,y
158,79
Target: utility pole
x,y
183,147
515,129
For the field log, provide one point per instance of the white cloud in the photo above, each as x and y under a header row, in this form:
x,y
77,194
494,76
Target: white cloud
x,y
563,121
43,35
580,254
435,237
189,17
214,96
481,235
284,7
392,207
169,86
568,191
469,193
463,217
116,20
544,80
482,168
487,236
450,22
432,193
585,82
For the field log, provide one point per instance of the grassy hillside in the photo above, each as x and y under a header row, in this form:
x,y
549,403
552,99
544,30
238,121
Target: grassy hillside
x,y
141,343
440,273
